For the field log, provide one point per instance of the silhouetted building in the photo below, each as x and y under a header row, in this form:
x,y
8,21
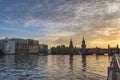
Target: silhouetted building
x,y
83,47
43,49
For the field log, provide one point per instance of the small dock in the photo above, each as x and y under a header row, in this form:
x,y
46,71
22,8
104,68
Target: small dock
x,y
114,69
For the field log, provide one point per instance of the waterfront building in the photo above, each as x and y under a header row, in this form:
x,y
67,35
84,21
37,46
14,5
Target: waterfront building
x,y
83,47
33,46
8,46
19,46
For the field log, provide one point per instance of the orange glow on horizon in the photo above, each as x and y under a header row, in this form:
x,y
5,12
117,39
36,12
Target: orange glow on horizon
x,y
100,44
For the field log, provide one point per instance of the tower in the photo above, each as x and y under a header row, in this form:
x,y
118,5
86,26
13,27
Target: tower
x,y
117,46
109,50
71,47
96,51
117,49
83,47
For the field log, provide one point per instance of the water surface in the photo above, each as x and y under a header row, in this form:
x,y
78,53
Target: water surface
x,y
53,67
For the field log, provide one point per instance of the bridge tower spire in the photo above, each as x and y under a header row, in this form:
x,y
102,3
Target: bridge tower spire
x,y
83,47
71,47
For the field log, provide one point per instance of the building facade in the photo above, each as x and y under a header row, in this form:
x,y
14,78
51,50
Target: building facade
x,y
9,47
1,44
33,46
19,46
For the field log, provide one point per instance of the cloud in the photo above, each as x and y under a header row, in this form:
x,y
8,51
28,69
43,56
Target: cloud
x,y
97,20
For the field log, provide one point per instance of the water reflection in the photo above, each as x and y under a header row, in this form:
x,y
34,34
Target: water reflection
x,y
71,63
21,61
97,57
25,61
84,65
71,66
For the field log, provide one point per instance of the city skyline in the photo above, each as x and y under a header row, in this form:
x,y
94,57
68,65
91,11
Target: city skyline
x,y
54,22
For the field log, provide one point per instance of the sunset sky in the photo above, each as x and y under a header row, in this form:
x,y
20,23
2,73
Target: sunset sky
x,y
54,22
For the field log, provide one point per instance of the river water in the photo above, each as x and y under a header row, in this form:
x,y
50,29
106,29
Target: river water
x,y
53,67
